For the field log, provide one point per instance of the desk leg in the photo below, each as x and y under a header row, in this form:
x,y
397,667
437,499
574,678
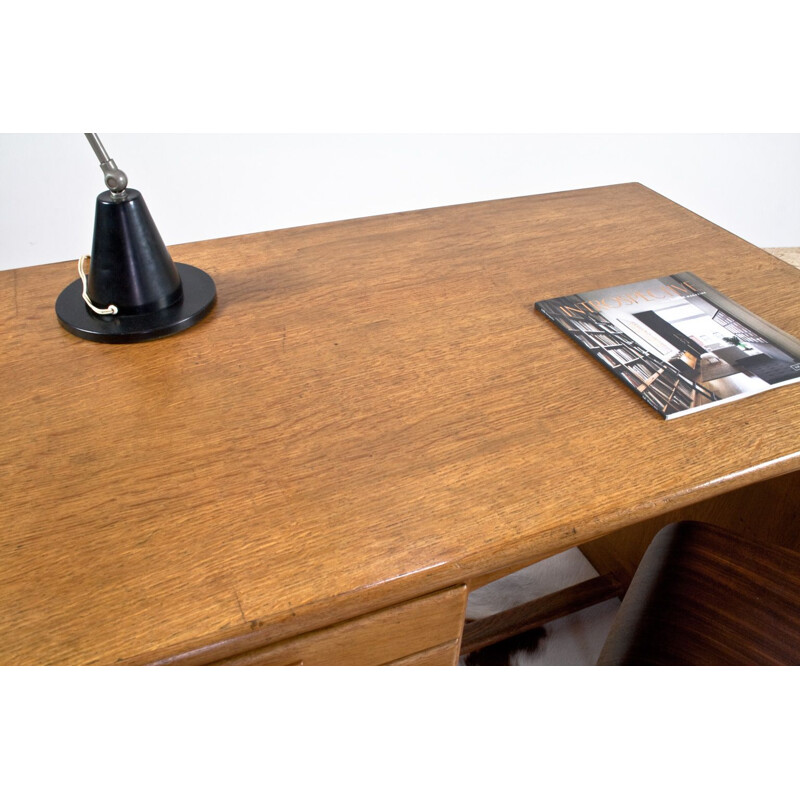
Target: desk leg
x,y
768,511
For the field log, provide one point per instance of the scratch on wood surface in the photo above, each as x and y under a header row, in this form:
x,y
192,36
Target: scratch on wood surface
x,y
241,608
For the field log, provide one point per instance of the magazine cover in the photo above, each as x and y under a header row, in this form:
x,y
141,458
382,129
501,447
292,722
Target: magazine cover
x,y
677,342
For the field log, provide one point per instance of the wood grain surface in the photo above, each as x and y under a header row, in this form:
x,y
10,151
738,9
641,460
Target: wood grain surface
x,y
445,655
372,639
372,412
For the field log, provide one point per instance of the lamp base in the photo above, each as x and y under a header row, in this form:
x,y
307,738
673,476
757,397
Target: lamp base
x,y
199,295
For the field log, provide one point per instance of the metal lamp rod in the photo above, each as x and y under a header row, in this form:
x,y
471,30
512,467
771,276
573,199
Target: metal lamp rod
x,y
116,180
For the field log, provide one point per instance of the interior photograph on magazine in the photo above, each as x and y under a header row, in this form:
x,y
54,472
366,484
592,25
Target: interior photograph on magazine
x,y
678,342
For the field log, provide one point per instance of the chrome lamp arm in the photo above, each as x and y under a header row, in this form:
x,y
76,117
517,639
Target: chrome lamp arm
x,y
116,180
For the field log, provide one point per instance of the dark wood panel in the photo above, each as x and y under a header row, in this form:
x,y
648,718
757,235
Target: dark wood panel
x,y
704,597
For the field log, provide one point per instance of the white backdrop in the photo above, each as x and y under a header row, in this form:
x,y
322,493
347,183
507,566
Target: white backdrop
x,y
204,186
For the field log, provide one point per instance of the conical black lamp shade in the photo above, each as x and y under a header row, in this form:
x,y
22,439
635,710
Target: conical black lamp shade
x,y
132,270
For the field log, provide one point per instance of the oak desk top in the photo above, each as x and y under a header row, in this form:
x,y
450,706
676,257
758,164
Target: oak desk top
x,y
372,412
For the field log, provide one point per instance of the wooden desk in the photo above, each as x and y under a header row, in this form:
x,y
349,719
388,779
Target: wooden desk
x,y
372,419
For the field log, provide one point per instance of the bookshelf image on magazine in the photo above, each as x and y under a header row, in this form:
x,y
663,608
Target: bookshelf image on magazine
x,y
678,342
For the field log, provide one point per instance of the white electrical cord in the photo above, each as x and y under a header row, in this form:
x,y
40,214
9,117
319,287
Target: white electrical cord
x,y
110,310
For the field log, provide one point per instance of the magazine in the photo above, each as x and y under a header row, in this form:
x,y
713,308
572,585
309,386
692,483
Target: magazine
x,y
677,342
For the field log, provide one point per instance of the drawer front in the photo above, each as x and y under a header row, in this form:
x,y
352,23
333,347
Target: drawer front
x,y
382,637
445,655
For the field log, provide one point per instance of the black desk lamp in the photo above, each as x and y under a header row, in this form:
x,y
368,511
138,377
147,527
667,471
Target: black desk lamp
x,y
134,291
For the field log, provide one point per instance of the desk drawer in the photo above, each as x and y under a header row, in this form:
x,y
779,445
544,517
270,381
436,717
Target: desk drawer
x,y
388,635
443,655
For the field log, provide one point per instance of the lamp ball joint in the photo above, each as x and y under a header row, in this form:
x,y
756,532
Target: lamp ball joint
x,y
116,180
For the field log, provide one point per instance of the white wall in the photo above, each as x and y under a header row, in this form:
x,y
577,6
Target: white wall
x,y
203,186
